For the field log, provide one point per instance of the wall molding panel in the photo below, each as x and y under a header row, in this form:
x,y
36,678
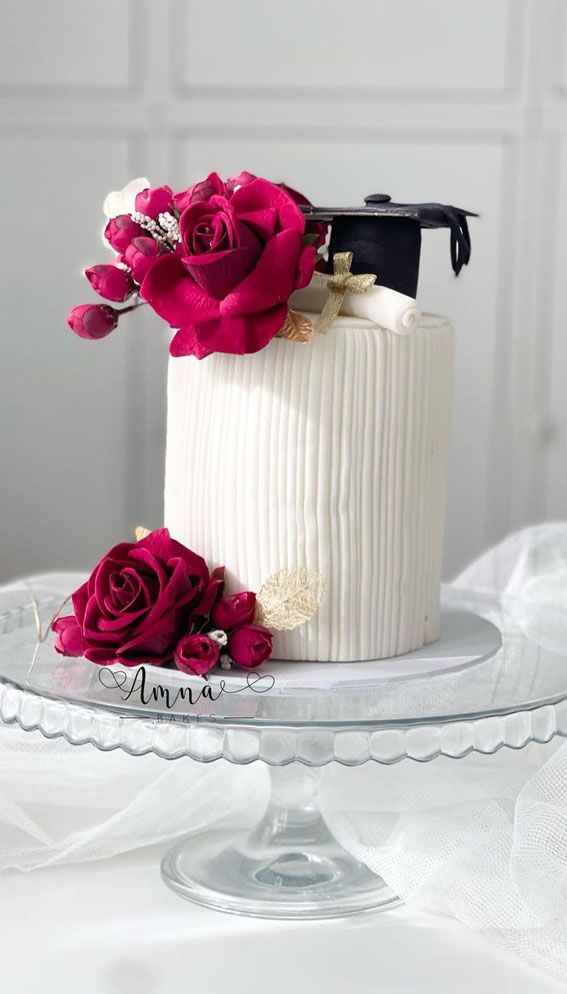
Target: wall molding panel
x,y
319,91
61,29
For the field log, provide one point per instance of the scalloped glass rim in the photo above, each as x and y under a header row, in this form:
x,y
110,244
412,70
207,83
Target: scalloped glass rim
x,y
279,745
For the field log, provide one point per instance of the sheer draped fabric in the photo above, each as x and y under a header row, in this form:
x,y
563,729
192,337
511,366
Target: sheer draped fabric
x,y
483,838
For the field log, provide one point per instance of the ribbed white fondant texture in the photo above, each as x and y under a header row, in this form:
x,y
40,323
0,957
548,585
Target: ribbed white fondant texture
x,y
331,455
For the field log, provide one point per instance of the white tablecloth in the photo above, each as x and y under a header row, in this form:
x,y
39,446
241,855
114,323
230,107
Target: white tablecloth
x,y
112,927
484,839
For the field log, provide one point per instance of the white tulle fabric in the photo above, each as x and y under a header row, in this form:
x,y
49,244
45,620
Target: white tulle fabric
x,y
482,838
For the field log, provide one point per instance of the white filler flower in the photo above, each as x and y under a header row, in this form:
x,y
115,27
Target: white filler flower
x,y
124,201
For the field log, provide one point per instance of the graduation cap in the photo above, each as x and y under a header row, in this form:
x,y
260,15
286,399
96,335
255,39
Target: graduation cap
x,y
385,238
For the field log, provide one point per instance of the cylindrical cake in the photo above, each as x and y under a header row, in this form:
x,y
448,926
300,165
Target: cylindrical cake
x,y
329,454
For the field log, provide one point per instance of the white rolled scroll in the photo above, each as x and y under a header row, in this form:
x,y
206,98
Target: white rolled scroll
x,y
391,310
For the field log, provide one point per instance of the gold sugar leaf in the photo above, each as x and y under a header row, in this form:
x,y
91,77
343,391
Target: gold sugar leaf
x,y
289,598
141,533
296,327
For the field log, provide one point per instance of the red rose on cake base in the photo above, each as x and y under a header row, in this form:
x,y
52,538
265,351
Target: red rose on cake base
x,y
137,603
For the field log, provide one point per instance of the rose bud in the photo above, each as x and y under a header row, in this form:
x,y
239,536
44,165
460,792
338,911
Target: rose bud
x,y
140,255
234,610
93,320
250,645
69,641
154,202
196,654
242,179
207,188
120,231
111,282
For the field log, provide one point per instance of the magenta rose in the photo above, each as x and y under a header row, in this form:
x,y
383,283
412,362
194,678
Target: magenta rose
x,y
212,594
250,645
111,282
121,231
196,654
69,640
204,190
141,254
137,603
234,610
219,250
155,201
241,257
93,321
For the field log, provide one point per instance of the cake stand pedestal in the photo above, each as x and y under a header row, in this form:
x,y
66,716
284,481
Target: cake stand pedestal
x,y
483,686
288,866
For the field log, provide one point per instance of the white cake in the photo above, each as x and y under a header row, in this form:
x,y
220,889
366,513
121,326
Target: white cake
x,y
331,455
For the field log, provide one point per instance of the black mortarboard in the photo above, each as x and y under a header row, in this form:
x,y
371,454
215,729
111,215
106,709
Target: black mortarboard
x,y
385,238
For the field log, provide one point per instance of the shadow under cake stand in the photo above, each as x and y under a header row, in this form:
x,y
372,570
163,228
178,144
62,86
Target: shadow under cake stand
x,y
475,689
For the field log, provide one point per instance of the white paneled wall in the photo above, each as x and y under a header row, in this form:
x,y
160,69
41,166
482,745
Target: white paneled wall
x,y
422,99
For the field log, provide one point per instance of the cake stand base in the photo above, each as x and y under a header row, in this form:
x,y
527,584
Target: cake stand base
x,y
288,866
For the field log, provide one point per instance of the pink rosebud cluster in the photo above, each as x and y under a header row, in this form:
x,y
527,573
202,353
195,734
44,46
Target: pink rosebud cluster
x,y
218,261
136,249
155,602
247,644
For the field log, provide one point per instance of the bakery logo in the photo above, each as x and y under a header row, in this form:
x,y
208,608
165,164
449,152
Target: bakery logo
x,y
141,690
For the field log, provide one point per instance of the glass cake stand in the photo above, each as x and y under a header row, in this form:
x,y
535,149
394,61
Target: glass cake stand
x,y
484,685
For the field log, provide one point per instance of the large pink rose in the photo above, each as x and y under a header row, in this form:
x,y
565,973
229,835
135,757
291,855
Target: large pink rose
x,y
241,257
137,603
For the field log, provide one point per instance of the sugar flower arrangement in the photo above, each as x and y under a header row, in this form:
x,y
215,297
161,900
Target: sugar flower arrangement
x,y
218,261
155,602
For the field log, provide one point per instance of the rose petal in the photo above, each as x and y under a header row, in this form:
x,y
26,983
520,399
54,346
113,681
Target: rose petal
x,y
270,283
186,342
92,632
174,295
79,601
235,181
124,620
145,560
141,255
213,593
123,201
212,185
216,207
305,267
236,335
260,194
179,594
262,222
219,272
154,645
162,545
103,657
